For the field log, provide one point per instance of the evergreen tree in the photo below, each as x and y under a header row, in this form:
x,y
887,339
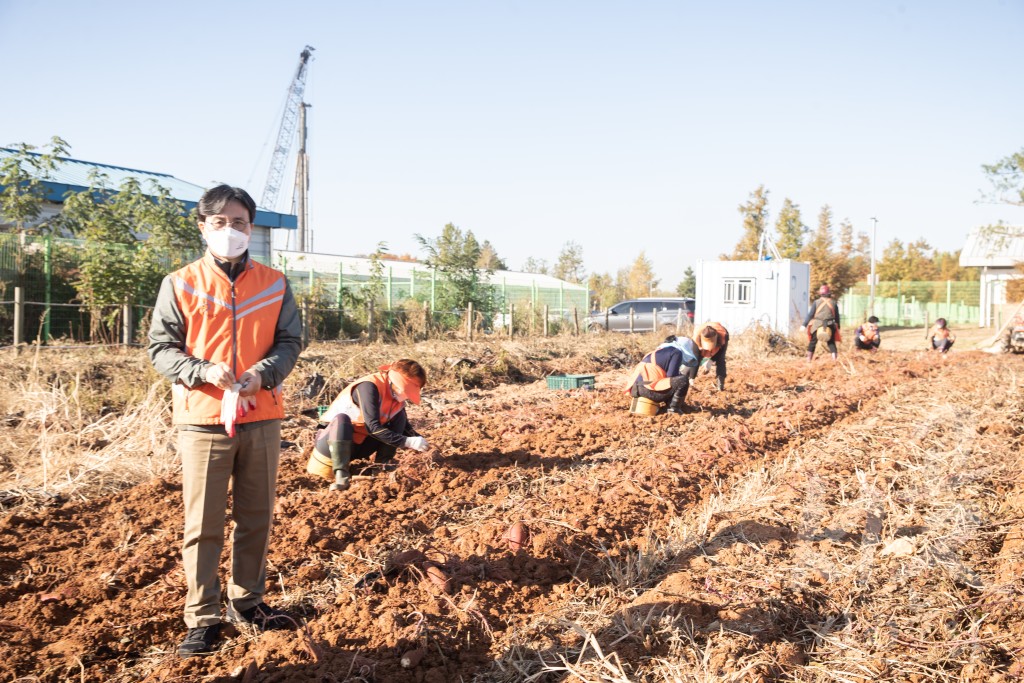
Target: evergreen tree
x,y
828,267
489,259
790,229
688,287
755,220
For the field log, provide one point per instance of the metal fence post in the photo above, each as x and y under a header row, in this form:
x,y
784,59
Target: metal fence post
x,y
469,321
576,321
19,317
305,323
511,319
126,324
48,269
545,320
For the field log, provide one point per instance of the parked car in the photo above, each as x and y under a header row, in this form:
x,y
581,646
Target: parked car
x,y
648,314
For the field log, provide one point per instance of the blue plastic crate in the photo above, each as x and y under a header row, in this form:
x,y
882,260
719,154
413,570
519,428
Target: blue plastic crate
x,y
570,381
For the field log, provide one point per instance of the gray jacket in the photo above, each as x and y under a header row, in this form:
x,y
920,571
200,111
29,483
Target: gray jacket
x,y
167,342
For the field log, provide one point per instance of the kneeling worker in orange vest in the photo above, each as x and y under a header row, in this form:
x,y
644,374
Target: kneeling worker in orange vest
x,y
867,337
663,376
712,340
369,417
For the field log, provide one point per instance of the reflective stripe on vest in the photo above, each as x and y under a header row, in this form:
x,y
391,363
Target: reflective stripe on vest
x,y
227,323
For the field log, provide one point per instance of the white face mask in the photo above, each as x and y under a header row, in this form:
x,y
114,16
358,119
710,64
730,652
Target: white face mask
x,y
227,243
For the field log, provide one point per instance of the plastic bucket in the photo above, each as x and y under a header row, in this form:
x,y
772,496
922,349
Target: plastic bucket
x,y
320,465
643,406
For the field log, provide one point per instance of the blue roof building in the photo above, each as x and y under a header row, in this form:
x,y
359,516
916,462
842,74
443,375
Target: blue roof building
x,y
72,175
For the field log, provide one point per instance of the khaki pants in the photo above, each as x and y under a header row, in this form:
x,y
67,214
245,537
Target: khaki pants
x,y
209,462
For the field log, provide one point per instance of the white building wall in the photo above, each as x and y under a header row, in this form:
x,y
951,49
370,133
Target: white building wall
x,y
740,294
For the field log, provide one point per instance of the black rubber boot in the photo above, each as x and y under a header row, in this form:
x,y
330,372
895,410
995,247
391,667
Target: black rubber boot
x,y
341,456
810,355
678,401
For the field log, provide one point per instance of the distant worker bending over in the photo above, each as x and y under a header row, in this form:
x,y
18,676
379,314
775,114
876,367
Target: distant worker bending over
x,y
369,418
867,337
712,340
822,323
663,376
941,337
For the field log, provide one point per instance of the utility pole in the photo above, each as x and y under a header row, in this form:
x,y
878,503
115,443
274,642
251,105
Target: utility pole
x,y
871,297
304,241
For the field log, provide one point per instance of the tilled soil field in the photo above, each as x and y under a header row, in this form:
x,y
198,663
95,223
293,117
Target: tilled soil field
x,y
855,521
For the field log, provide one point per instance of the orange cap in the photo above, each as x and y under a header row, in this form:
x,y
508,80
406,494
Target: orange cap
x,y
408,386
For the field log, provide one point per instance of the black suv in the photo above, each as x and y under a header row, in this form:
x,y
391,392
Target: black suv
x,y
649,314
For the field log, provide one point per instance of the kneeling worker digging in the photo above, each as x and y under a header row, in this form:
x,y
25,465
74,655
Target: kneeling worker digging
x,y
369,418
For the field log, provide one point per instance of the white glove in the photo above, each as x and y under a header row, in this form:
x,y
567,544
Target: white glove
x,y
803,328
417,443
229,409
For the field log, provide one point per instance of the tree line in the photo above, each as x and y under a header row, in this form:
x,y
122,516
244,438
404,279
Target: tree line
x,y
157,232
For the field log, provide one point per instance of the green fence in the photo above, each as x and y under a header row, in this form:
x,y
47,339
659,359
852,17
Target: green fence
x,y
912,304
337,303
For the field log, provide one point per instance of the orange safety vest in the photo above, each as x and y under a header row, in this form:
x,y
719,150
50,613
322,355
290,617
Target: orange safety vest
x,y
940,332
654,377
388,408
225,322
722,336
869,331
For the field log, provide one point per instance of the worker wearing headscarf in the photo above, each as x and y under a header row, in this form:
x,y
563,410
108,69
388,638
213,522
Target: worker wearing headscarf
x,y
663,376
712,340
867,337
369,417
822,323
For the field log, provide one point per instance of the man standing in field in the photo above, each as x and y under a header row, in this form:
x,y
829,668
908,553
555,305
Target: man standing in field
x,y
822,323
226,332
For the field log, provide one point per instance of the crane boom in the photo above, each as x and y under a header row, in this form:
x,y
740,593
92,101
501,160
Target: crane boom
x,y
286,133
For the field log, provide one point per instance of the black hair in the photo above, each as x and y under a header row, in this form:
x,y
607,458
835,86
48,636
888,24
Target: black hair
x,y
670,338
941,322
213,201
873,319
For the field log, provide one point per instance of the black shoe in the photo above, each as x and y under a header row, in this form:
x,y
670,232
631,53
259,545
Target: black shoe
x,y
199,641
262,616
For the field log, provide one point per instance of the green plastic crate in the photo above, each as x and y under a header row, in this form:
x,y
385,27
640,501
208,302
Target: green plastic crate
x,y
570,381
320,410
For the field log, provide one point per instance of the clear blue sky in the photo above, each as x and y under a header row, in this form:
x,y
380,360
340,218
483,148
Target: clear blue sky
x,y
622,126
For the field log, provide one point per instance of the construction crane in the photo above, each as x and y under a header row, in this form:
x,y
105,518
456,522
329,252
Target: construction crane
x,y
287,131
